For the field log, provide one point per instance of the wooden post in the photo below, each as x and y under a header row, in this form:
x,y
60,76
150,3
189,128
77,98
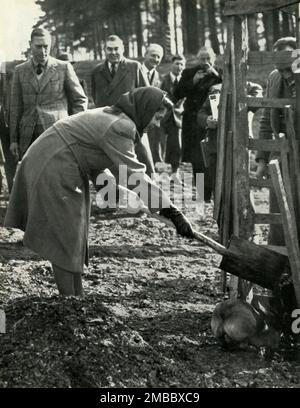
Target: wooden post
x,y
242,211
224,121
226,225
242,207
285,203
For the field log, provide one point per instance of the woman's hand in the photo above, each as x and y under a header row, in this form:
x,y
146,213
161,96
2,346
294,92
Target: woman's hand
x,y
181,223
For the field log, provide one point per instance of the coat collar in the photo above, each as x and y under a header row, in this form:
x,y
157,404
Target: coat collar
x,y
50,70
120,74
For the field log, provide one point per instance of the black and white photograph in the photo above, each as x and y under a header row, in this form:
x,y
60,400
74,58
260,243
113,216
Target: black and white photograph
x,y
149,197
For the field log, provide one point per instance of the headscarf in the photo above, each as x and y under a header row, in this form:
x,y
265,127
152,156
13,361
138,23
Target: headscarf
x,y
140,105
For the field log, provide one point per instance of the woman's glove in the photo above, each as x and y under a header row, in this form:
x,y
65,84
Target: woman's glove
x,y
181,223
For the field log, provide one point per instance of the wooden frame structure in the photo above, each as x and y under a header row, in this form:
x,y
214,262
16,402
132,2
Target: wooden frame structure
x,y
233,209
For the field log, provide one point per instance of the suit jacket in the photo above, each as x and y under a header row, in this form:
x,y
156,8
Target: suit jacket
x,y
176,114
155,80
107,90
272,121
43,101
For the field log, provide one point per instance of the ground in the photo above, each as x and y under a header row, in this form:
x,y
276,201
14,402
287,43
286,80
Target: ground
x,y
144,320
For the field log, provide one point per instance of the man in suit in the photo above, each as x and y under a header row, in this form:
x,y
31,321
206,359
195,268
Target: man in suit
x,y
40,91
114,77
152,59
172,122
194,85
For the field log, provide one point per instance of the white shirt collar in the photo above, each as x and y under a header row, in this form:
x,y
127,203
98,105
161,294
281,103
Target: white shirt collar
x,y
148,70
110,65
173,77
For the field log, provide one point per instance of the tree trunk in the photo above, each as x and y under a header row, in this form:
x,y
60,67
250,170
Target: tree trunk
x,y
189,21
175,26
252,32
268,26
276,25
139,30
201,22
285,28
212,26
147,10
95,42
165,29
223,25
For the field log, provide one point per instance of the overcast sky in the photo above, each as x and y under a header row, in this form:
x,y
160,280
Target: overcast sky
x,y
16,20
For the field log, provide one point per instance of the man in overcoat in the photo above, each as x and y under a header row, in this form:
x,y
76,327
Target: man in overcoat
x,y
194,85
172,122
114,77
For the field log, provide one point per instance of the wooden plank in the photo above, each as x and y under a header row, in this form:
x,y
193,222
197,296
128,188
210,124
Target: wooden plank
x,y
294,162
254,6
260,183
270,57
267,218
227,198
234,281
269,102
266,145
297,84
289,225
286,178
224,124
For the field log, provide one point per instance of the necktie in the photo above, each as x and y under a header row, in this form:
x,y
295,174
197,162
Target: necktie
x,y
39,69
113,69
175,81
150,77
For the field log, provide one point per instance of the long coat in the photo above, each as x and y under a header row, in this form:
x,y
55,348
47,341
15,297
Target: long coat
x,y
43,101
172,123
195,95
52,182
107,90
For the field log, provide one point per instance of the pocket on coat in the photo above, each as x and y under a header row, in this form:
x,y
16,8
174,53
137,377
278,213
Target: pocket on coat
x,y
55,85
72,183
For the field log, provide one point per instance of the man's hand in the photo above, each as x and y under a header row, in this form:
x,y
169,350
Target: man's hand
x,y
211,123
200,74
181,223
262,169
14,148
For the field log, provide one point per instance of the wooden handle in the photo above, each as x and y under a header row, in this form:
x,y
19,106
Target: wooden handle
x,y
210,242
197,235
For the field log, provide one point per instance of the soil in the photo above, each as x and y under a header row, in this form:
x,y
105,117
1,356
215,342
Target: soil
x,y
144,320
